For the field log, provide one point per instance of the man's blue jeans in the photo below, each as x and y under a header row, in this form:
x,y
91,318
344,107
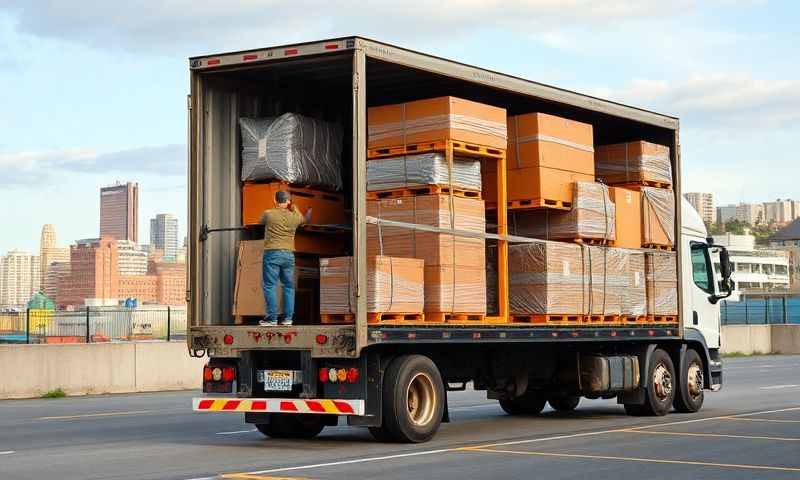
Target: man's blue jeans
x,y
278,264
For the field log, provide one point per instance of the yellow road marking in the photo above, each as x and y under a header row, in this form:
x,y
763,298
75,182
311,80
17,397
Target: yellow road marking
x,y
636,459
739,419
104,414
248,476
718,435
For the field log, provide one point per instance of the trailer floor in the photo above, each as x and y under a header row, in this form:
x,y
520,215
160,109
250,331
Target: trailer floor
x,y
749,429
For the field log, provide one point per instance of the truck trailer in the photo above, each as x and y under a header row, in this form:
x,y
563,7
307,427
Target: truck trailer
x,y
292,381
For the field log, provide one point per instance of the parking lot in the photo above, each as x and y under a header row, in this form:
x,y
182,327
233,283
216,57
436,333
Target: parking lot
x,y
750,429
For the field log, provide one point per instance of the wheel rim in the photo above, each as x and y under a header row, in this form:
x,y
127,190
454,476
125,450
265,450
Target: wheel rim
x,y
662,382
421,399
695,381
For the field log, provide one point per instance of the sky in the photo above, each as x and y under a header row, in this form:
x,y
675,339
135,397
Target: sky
x,y
94,92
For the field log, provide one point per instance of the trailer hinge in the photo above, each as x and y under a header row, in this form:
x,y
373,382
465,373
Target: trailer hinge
x,y
189,102
355,82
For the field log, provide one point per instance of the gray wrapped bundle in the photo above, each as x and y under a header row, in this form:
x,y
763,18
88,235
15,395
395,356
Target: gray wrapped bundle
x,y
422,169
292,148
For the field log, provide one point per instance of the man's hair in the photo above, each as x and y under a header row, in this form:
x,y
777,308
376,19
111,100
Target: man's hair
x,y
281,196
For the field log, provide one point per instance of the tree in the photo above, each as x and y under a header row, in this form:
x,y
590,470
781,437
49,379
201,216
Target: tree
x,y
736,227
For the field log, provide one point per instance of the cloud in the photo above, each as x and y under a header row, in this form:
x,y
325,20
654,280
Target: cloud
x,y
175,25
717,100
37,168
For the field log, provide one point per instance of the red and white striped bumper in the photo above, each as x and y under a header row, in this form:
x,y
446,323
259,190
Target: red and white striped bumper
x,y
279,405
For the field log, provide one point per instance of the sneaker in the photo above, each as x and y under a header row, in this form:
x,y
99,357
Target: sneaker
x,y
267,322
285,322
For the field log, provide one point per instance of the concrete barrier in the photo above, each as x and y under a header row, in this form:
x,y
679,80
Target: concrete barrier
x,y
78,369
785,339
747,339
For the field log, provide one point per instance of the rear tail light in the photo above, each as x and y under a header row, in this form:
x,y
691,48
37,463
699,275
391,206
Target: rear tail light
x,y
339,375
228,374
352,375
207,374
323,375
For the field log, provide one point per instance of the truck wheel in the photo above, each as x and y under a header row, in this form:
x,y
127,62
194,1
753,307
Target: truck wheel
x,y
413,400
283,425
529,403
689,397
564,403
660,392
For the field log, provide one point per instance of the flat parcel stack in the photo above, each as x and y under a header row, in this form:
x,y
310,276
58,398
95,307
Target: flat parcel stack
x,y
424,169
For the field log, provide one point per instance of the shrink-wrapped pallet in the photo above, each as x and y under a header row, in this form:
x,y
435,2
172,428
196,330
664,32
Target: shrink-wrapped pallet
x,y
633,162
634,299
292,148
455,289
606,277
437,119
661,277
546,278
468,214
394,285
423,169
658,216
592,217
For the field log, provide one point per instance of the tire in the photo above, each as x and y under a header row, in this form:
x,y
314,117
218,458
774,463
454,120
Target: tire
x,y
530,403
413,400
300,426
660,391
689,396
564,403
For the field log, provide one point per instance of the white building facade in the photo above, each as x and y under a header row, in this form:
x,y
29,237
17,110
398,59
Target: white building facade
x,y
755,269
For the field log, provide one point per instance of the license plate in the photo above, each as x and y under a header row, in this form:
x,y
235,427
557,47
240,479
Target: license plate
x,y
276,380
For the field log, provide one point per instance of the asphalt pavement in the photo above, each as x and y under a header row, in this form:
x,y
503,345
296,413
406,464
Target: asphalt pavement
x,y
750,429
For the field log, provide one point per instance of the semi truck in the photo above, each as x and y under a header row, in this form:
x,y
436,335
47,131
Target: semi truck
x,y
292,381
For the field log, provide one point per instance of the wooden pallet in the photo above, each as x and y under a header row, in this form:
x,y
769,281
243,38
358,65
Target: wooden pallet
x,y
423,190
633,318
533,204
547,319
644,183
454,317
395,317
337,318
462,149
662,319
600,319
653,246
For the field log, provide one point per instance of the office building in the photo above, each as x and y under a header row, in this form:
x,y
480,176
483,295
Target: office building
x,y
704,204
56,275
779,211
94,274
750,213
119,212
164,234
726,213
755,269
49,251
20,276
131,260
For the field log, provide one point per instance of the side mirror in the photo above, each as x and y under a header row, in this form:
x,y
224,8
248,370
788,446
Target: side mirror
x,y
725,264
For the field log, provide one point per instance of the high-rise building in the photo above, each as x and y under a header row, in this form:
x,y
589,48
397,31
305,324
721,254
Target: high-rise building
x,y
751,213
49,251
19,278
164,234
704,204
131,260
94,274
119,212
726,213
56,275
779,211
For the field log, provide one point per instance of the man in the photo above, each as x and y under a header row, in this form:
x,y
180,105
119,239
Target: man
x,y
280,225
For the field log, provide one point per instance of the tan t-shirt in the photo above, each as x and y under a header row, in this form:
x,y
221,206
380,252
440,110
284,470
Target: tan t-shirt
x,y
280,225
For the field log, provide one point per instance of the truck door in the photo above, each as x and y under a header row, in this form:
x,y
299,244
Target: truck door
x,y
705,309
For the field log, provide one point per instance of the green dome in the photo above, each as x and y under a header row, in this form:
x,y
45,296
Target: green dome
x,y
40,301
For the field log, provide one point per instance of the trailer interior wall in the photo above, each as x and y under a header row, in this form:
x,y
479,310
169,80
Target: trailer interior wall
x,y
322,86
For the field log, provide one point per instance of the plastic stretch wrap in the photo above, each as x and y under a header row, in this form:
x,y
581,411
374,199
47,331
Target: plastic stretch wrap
x,y
658,216
435,211
633,162
546,278
394,285
634,301
606,279
423,169
438,122
455,289
292,148
592,216
661,277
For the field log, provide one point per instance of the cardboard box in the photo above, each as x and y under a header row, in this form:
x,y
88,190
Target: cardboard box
x,y
542,140
455,289
605,280
661,277
431,210
328,208
437,119
592,217
249,297
634,300
532,183
633,162
324,244
546,278
658,216
627,217
394,285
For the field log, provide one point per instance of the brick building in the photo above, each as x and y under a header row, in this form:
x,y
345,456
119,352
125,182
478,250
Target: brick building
x,y
93,273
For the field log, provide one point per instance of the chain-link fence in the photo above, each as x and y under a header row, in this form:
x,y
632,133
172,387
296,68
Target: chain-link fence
x,y
761,310
93,325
